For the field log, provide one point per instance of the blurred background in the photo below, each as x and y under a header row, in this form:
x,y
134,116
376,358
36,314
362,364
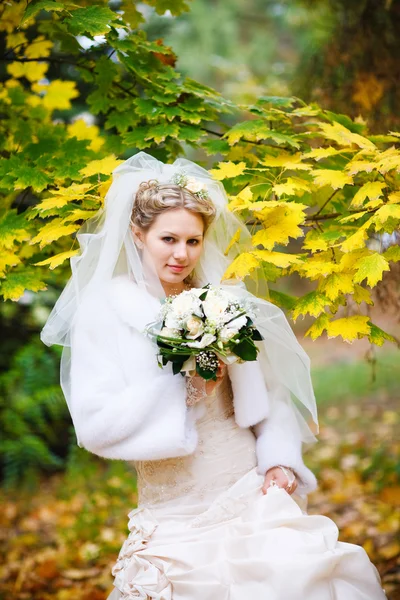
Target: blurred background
x,y
71,507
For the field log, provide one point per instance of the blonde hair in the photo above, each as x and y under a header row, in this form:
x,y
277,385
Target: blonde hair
x,y
152,198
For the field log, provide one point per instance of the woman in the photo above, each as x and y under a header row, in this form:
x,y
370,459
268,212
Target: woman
x,y
221,480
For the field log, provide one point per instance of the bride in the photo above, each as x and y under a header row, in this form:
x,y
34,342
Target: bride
x,y
222,486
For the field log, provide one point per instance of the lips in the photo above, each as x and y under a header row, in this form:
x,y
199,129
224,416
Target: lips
x,y
176,267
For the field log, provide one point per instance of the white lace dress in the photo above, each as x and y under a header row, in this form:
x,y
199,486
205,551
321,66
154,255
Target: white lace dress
x,y
203,529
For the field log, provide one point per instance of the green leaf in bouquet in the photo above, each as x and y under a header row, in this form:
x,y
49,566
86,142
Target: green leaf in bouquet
x,y
256,335
245,350
206,374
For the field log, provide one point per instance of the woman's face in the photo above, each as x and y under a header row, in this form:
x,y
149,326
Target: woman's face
x,y
174,243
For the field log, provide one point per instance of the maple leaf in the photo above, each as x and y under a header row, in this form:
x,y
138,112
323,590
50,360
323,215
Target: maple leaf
x,y
344,136
392,253
318,327
39,48
12,229
17,282
37,5
279,259
320,153
280,223
372,268
243,265
312,304
104,166
57,259
336,179
355,241
371,190
95,20
227,170
286,161
57,94
53,231
8,259
362,295
387,211
291,187
349,328
378,337
336,284
33,71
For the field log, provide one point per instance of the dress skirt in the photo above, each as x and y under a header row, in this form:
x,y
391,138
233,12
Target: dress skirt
x,y
204,530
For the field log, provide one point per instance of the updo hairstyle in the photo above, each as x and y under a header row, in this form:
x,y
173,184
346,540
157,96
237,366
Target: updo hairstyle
x,y
152,198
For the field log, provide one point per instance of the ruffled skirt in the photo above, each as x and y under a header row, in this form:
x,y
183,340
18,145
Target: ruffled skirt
x,y
244,546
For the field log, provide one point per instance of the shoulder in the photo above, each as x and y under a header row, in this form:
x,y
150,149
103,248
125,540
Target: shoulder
x,y
119,300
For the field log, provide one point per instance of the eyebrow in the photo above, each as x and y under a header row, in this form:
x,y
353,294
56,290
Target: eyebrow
x,y
174,234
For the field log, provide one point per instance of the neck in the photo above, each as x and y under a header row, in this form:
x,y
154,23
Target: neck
x,y
171,289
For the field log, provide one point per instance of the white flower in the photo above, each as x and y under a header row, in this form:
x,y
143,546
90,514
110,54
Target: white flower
x,y
237,324
168,332
194,186
185,304
195,327
206,340
215,305
226,334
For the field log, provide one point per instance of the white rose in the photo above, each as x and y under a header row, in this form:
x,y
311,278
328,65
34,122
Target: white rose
x,y
185,304
194,186
172,322
195,327
167,332
226,334
215,305
205,341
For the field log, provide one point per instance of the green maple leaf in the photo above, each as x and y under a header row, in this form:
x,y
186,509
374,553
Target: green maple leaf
x,y
17,282
162,130
378,336
176,7
138,138
283,300
189,133
13,228
37,5
257,130
216,147
392,253
94,20
27,176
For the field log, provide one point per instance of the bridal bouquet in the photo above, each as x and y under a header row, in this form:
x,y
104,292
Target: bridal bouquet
x,y
198,327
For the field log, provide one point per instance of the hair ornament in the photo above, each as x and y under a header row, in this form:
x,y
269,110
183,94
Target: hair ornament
x,y
192,184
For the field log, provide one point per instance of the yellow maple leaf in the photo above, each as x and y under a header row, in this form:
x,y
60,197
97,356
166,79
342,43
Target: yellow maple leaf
x,y
57,94
317,265
243,265
104,166
245,193
79,214
357,166
362,295
349,328
287,161
82,131
291,187
234,240
394,198
349,259
336,284
33,71
344,136
389,160
227,170
57,259
372,190
279,224
372,268
62,196
385,212
15,39
320,153
53,231
39,48
7,259
355,241
318,327
311,304
331,177
279,259
352,217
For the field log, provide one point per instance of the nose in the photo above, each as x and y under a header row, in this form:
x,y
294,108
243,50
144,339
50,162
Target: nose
x,y
180,252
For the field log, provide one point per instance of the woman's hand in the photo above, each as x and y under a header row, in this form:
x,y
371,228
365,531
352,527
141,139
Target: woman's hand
x,y
277,474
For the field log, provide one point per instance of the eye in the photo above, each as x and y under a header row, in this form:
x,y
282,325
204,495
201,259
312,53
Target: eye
x,y
195,242
168,239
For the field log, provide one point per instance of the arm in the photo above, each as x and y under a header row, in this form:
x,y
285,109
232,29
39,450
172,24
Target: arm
x,y
279,441
134,413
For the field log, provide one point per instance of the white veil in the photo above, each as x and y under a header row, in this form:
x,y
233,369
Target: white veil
x,y
108,250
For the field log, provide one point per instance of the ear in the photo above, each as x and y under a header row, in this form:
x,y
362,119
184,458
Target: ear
x,y
138,235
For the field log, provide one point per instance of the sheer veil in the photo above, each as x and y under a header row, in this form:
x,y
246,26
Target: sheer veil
x,y
107,249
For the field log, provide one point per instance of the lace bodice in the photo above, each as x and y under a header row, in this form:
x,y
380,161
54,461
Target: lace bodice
x,y
224,453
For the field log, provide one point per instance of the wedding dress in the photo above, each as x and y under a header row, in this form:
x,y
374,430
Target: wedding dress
x,y
204,530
